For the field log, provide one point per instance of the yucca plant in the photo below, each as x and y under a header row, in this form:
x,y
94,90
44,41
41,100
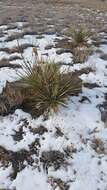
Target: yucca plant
x,y
79,35
46,87
81,49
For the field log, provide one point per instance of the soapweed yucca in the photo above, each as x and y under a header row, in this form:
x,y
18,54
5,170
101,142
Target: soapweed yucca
x,y
79,35
47,87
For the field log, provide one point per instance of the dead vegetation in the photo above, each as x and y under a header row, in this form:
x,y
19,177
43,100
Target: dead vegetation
x,y
39,130
81,54
99,146
56,182
53,158
10,99
17,159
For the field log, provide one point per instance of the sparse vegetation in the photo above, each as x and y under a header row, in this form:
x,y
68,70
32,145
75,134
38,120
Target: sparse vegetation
x,y
53,158
58,183
43,145
99,146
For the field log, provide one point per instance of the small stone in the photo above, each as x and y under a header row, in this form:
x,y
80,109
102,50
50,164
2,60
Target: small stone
x,y
99,162
103,56
61,51
39,130
48,47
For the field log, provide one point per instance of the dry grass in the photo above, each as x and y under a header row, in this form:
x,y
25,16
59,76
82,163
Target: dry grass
x,y
81,54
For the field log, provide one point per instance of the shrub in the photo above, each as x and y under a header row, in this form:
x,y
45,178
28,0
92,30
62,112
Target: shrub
x,y
46,87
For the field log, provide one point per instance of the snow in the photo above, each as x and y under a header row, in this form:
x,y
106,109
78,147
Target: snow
x,y
77,122
7,74
30,179
4,177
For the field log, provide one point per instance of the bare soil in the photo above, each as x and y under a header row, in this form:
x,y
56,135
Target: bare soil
x,y
54,15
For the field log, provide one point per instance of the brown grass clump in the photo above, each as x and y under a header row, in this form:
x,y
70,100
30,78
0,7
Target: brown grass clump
x,y
81,54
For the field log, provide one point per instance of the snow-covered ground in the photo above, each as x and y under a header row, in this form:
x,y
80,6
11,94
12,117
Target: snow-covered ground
x,y
81,130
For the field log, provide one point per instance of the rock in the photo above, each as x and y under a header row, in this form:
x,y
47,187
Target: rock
x,y
39,37
6,63
104,56
51,32
99,51
104,42
30,32
96,43
61,51
96,40
91,85
67,64
63,44
49,47
103,109
14,36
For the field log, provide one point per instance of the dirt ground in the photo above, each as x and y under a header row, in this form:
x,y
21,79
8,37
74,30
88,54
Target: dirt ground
x,y
54,16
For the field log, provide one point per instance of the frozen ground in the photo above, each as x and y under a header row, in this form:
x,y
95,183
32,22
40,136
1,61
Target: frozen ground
x,y
77,131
